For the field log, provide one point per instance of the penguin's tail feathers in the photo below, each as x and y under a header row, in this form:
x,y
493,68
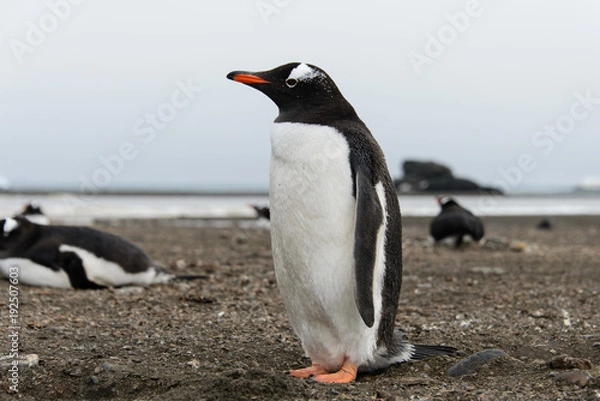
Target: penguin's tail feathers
x,y
190,277
162,276
422,351
403,351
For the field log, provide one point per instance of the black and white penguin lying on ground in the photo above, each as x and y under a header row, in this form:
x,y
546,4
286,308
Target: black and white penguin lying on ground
x,y
454,221
34,214
73,257
335,228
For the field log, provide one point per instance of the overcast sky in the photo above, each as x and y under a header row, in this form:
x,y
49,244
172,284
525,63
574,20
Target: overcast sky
x,y
133,94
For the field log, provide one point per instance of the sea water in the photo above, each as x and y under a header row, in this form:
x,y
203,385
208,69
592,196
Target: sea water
x,y
70,207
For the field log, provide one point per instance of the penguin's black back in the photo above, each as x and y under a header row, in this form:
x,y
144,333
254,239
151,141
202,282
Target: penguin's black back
x,y
455,220
102,244
41,244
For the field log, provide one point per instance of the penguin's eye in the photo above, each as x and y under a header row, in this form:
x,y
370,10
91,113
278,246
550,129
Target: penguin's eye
x,y
291,82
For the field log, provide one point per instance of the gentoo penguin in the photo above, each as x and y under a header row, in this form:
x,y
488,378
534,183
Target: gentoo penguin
x,y
34,214
262,212
73,257
335,228
455,221
544,224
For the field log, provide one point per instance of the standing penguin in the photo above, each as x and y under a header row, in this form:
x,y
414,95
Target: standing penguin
x,y
455,221
335,228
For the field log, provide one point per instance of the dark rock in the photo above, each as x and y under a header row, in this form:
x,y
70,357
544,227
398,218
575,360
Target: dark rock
x,y
473,362
568,362
417,170
434,177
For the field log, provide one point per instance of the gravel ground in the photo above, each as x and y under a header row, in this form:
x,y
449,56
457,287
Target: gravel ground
x,y
532,294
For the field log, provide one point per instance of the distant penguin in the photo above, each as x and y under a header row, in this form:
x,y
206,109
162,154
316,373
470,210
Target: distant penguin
x,y
262,212
335,228
455,221
73,257
544,224
34,214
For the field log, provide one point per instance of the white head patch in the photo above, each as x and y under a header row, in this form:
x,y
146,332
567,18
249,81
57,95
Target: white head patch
x,y
444,199
303,72
9,225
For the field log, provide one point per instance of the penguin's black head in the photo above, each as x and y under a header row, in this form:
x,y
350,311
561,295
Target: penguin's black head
x,y
13,232
30,208
446,201
296,87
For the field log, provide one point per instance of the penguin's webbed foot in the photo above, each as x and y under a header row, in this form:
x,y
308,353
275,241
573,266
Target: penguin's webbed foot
x,y
346,374
314,370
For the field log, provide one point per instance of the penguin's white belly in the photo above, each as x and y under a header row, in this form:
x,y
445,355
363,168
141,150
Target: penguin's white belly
x,y
31,273
312,230
107,273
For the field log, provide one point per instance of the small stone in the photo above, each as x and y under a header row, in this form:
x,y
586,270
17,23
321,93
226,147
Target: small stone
x,y
28,360
94,380
573,377
473,362
129,290
519,246
495,244
76,372
107,366
194,363
180,264
488,270
568,362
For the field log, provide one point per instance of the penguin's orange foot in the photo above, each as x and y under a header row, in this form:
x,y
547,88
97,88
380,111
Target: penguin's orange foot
x,y
345,375
314,370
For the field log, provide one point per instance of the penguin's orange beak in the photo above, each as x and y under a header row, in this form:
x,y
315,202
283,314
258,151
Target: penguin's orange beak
x,y
246,78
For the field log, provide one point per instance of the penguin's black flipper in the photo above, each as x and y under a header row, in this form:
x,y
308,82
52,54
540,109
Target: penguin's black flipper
x,y
369,218
72,264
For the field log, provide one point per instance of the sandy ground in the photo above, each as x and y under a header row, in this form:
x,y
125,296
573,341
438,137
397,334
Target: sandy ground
x,y
226,336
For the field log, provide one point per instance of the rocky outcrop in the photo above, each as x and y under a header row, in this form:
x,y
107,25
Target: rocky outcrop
x,y
431,177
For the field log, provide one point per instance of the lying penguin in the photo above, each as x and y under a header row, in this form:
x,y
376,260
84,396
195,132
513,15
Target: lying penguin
x,y
335,228
34,214
455,221
73,257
